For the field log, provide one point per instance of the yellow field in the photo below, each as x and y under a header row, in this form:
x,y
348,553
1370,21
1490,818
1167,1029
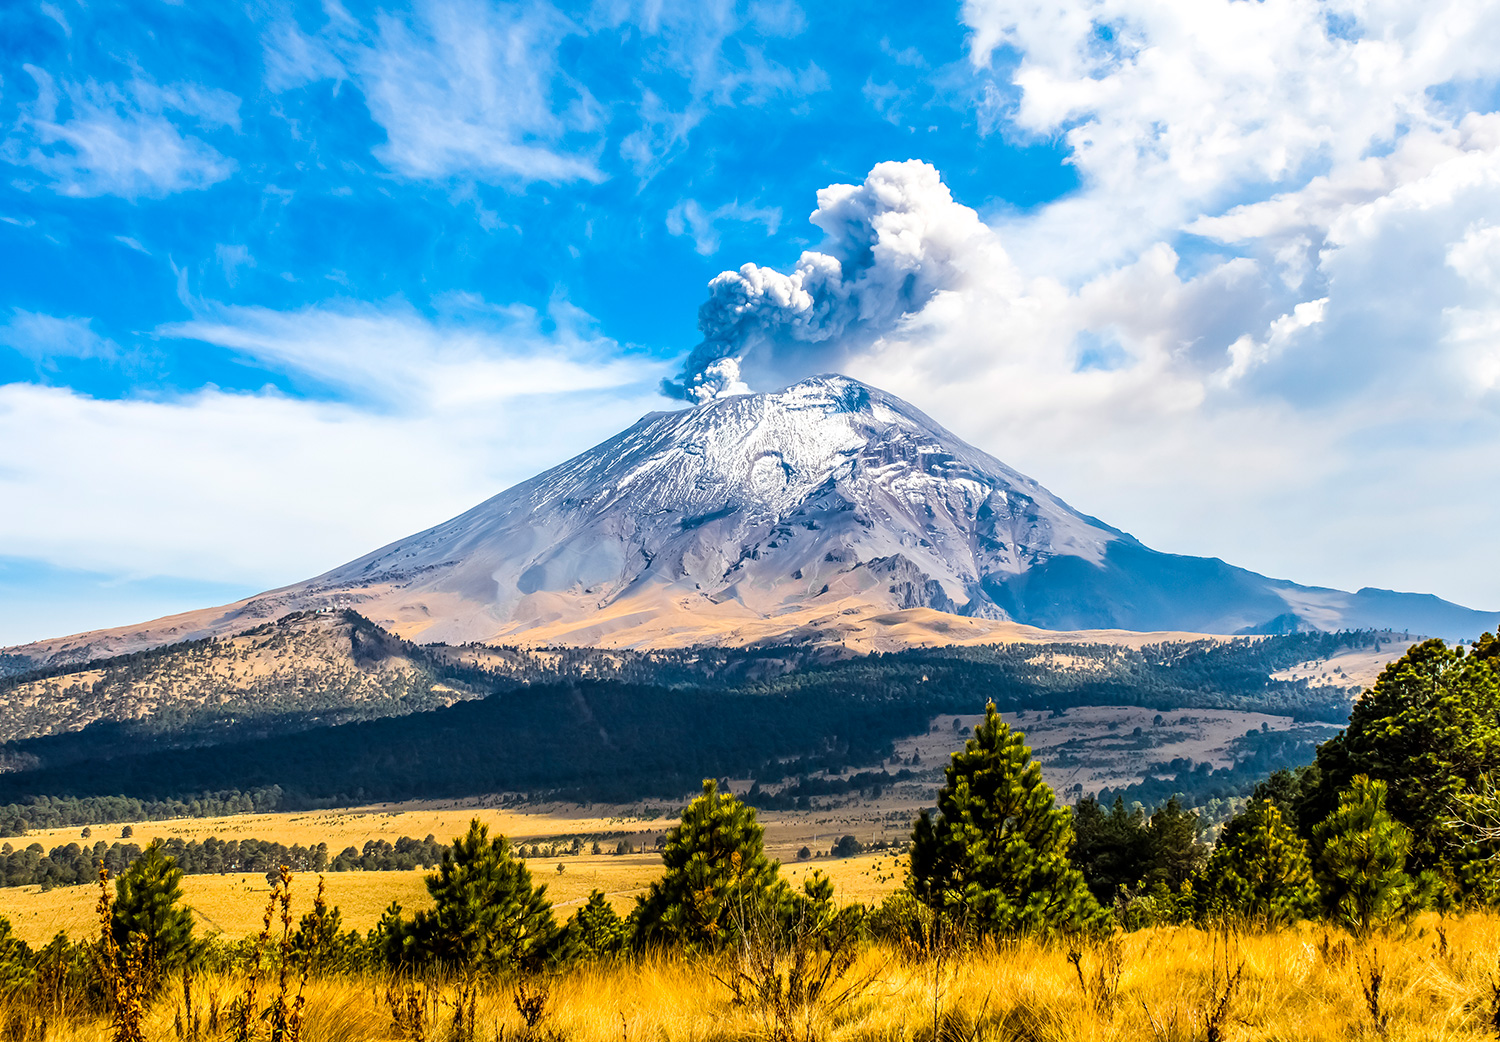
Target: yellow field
x,y
355,825
233,905
1435,981
786,831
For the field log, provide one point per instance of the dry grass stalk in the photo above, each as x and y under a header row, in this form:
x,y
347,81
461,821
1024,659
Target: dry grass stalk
x,y
795,976
1372,975
938,942
245,1012
1100,984
1207,1018
286,1018
188,1023
409,1003
530,999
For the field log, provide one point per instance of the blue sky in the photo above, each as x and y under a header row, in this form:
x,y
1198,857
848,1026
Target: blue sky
x,y
286,174
283,282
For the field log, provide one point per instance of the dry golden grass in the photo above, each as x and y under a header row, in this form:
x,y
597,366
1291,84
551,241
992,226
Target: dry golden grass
x,y
353,826
233,904
1289,989
1438,983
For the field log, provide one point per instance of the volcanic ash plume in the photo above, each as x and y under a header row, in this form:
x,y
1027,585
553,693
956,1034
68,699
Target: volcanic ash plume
x,y
891,245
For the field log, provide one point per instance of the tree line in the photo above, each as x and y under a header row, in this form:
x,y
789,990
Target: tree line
x,y
73,863
52,812
1198,784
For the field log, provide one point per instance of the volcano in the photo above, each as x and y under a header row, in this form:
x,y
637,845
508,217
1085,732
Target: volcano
x,y
803,514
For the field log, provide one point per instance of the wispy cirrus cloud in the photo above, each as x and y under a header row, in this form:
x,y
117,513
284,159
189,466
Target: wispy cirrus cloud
x,y
42,338
690,218
392,358
702,56
94,138
467,88
462,89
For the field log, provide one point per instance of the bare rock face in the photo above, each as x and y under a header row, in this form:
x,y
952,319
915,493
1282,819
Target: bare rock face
x,y
757,516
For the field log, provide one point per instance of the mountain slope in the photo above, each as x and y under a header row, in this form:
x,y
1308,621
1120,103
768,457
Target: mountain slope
x,y
811,512
305,669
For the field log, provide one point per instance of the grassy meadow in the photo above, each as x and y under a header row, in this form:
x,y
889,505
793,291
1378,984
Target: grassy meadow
x,y
232,905
1435,979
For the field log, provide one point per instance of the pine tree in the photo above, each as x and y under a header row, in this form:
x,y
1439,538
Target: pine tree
x,y
390,940
1110,847
486,915
1363,857
320,943
996,857
717,874
596,931
1172,841
147,913
1259,869
1429,729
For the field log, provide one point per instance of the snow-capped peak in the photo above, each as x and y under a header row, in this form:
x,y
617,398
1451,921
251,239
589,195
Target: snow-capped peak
x,y
827,489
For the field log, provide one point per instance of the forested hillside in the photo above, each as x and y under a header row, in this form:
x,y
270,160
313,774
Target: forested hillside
x,y
588,724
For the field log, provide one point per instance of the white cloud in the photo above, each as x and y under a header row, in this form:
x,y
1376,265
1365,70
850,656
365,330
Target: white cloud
x,y
264,488
1476,336
92,139
1474,327
1476,257
295,59
260,488
1246,352
1171,109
